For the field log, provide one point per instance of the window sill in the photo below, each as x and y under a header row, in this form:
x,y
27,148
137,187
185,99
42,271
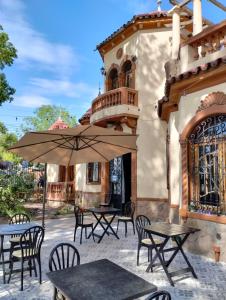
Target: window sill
x,y
204,217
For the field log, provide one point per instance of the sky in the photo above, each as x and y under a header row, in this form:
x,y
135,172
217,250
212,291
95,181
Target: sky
x,y
55,40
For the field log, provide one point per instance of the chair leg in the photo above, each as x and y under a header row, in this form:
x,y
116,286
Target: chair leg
x,y
75,232
125,229
117,227
151,259
148,254
40,269
30,266
55,294
93,234
10,268
35,270
22,275
86,232
138,255
81,235
133,227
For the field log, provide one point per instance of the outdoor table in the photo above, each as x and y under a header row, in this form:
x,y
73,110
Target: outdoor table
x,y
100,280
99,214
8,230
179,233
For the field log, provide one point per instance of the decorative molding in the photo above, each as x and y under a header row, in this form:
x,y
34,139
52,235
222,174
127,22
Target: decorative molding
x,y
130,122
216,98
119,53
153,199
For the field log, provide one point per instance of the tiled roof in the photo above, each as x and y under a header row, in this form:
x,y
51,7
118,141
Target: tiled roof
x,y
151,15
186,75
86,115
59,124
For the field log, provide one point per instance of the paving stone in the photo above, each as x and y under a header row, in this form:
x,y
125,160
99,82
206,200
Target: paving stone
x,y
209,285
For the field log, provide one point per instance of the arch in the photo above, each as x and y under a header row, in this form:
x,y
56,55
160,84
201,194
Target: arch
x,y
112,77
127,71
213,104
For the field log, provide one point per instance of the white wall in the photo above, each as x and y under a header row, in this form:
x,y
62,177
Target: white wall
x,y
52,173
80,181
178,120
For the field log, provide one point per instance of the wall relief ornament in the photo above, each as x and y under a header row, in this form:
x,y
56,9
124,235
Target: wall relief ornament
x,y
119,53
215,98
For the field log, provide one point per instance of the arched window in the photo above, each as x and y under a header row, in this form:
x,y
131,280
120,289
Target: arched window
x,y
127,74
207,166
113,79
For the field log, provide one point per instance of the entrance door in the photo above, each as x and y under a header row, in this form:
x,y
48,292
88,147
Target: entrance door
x,y
120,180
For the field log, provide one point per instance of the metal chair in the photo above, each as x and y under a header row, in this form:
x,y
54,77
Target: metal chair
x,y
63,256
160,295
143,238
128,217
80,222
30,250
17,219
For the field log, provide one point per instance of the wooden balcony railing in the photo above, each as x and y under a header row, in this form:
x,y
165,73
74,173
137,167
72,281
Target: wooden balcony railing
x,y
210,40
60,191
122,95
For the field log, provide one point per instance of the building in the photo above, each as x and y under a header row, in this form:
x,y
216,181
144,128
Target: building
x,y
165,81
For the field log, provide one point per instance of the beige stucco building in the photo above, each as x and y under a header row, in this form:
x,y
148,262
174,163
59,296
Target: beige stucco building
x,y
165,81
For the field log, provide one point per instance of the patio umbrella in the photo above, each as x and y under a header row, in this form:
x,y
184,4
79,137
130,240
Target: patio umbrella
x,y
70,146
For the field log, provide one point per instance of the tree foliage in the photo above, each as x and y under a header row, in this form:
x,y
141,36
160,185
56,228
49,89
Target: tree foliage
x,y
7,139
45,116
7,55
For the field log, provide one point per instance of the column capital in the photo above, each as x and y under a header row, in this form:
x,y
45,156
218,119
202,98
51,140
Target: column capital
x,y
175,9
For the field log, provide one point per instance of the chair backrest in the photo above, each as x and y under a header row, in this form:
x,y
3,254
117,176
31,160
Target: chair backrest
x,y
160,295
79,217
19,219
63,255
141,222
129,209
31,241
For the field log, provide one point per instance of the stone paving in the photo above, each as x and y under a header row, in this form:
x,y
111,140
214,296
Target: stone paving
x,y
211,282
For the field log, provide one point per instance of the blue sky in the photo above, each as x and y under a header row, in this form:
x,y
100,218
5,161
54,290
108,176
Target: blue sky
x,y
55,40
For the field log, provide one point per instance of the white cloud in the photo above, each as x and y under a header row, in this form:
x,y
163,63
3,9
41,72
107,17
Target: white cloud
x,y
63,87
30,101
33,46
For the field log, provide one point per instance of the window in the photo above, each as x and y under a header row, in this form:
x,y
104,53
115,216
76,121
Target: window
x,y
207,166
93,173
127,74
113,76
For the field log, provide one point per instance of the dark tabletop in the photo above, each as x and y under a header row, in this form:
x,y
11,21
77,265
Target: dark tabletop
x,y
170,230
100,280
104,210
9,229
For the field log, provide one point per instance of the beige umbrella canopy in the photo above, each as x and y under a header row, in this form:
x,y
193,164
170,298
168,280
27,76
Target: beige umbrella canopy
x,y
70,146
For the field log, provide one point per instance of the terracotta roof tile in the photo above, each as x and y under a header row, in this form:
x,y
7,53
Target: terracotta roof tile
x,y
86,115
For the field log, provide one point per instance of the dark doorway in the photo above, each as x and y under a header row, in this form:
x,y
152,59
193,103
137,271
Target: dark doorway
x,y
120,180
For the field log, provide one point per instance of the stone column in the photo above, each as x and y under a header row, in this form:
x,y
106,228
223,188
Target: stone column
x,y
197,16
175,12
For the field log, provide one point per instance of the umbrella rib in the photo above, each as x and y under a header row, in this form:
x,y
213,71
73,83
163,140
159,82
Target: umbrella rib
x,y
84,147
73,148
33,144
95,150
68,135
47,151
108,143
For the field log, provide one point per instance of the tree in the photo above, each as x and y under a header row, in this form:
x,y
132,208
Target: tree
x,y
7,55
7,139
45,116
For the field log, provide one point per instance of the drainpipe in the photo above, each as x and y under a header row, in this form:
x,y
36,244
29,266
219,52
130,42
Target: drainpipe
x,y
175,12
197,16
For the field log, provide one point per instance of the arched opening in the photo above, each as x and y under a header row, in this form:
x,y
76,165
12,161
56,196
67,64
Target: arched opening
x,y
127,74
207,166
113,79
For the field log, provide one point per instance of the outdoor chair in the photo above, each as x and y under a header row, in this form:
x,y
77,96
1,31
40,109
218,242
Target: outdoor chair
x,y
128,216
30,250
81,222
143,238
17,219
160,295
63,256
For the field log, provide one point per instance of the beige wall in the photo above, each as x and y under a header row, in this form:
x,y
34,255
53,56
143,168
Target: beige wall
x,y
178,121
152,49
80,181
52,173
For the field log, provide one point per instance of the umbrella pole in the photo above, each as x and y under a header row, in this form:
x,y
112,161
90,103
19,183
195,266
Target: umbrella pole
x,y
44,198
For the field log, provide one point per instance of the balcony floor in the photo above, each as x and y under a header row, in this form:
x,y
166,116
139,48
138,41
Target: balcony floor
x,y
210,285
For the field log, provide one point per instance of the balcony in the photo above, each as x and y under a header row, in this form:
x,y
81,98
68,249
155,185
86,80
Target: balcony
x,y
205,47
121,101
60,191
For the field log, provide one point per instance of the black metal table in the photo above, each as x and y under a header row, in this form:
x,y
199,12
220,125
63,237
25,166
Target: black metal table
x,y
179,233
100,216
100,280
8,230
